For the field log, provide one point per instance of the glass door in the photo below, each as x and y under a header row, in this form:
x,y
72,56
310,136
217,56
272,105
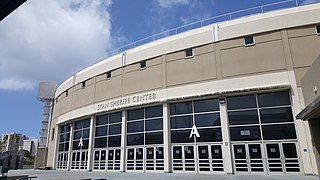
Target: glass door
x,y
99,162
248,158
282,158
114,159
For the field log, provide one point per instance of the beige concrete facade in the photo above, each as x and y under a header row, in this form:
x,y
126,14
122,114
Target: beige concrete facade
x,y
221,64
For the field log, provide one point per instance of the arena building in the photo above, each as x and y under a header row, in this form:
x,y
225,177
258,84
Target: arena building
x,y
219,99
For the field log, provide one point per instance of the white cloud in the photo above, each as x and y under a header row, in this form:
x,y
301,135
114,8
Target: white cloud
x,y
171,3
51,40
310,2
15,84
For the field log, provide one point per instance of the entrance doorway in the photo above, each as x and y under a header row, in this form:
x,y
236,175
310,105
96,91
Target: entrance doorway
x,y
204,158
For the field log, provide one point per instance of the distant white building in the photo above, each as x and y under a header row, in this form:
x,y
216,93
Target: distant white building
x,y
12,141
30,145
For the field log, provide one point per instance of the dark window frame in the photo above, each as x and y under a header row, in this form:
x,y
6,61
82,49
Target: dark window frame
x,y
249,40
108,75
143,65
189,53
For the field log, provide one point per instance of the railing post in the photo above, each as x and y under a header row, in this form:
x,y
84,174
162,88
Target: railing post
x,y
230,16
297,4
261,9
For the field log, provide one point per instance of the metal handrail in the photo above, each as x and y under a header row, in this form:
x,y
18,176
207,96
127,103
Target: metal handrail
x,y
200,23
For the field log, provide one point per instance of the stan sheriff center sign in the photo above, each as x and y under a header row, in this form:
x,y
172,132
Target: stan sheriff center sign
x,y
127,101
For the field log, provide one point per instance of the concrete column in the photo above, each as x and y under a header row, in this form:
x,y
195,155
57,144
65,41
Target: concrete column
x,y
56,147
226,146
166,139
123,141
90,147
70,147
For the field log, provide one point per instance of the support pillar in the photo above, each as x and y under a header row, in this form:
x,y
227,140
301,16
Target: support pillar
x,y
166,139
90,147
70,147
226,146
123,141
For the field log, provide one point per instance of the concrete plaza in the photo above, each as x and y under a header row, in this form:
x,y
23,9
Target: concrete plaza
x,y
76,175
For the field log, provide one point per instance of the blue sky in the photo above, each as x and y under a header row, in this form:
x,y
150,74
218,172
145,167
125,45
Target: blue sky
x,y
53,39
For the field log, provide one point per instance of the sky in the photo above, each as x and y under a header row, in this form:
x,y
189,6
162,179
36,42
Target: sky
x,y
50,40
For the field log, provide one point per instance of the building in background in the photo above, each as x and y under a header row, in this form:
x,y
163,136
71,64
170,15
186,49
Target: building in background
x,y
12,141
222,98
31,146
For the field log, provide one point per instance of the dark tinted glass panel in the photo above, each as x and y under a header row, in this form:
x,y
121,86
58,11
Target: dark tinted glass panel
x,y
205,120
243,117
139,153
189,53
206,105
281,131
103,155
241,102
68,127
61,147
289,150
143,64
150,153
159,152
249,40
86,133
209,135
86,123
203,152
181,108
255,151
318,29
114,141
177,152
135,114
216,152
239,151
245,133
100,142
101,131
276,115
188,152
102,120
66,146
78,125
130,154
62,138
115,117
77,134
137,126
274,99
181,136
155,124
67,136
135,139
181,122
154,138
155,111
75,145
273,150
85,144
114,129
96,155
118,153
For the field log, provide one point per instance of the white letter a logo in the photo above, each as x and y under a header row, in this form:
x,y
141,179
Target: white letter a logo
x,y
194,131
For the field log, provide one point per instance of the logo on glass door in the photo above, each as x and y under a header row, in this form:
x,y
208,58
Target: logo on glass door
x,y
80,143
194,131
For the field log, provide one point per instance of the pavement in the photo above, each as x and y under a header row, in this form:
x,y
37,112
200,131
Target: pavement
x,y
77,175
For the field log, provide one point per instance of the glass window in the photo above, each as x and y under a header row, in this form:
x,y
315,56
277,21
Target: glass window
x,y
276,115
86,133
137,126
115,117
143,64
108,74
100,142
247,133
76,145
114,141
86,123
135,114
289,150
206,105
318,29
274,99
181,136
249,40
243,117
135,139
189,52
177,152
216,152
78,125
207,120
154,138
155,111
181,108
278,132
241,102
77,134
101,131
102,120
154,124
114,129
181,122
209,135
